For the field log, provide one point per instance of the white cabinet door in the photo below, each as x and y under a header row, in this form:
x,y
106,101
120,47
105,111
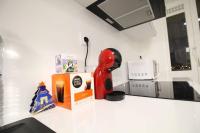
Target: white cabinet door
x,y
194,9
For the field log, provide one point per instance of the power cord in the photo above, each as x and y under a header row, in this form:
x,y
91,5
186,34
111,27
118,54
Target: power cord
x,y
87,43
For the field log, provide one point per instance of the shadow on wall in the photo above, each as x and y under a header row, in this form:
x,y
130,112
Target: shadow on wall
x,y
23,68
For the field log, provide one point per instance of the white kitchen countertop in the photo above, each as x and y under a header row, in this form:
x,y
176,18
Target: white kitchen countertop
x,y
134,114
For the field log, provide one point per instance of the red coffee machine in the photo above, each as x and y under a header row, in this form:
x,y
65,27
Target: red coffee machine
x,y
109,59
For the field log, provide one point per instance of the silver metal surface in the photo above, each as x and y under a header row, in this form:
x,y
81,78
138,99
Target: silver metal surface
x,y
128,12
116,8
135,18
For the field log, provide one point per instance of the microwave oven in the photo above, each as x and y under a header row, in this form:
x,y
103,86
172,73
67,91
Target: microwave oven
x,y
142,69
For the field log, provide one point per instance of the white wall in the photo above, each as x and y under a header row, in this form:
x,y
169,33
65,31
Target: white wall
x,y
157,48
1,54
34,31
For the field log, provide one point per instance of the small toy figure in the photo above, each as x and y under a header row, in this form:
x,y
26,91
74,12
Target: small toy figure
x,y
42,100
66,63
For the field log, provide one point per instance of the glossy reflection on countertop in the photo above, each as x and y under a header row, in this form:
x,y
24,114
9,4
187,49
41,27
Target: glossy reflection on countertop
x,y
177,90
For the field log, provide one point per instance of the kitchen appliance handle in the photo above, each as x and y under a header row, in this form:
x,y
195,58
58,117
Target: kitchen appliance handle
x,y
157,71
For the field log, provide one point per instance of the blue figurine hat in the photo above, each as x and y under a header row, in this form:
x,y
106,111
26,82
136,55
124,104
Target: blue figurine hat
x,y
42,100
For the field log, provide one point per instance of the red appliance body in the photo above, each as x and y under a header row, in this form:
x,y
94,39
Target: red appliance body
x,y
109,59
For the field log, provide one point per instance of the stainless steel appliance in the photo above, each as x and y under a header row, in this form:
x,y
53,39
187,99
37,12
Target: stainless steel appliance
x,y
175,90
123,14
142,69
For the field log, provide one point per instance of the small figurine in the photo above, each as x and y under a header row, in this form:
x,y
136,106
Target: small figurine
x,y
42,100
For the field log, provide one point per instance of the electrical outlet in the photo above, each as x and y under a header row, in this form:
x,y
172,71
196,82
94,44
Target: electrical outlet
x,y
81,39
